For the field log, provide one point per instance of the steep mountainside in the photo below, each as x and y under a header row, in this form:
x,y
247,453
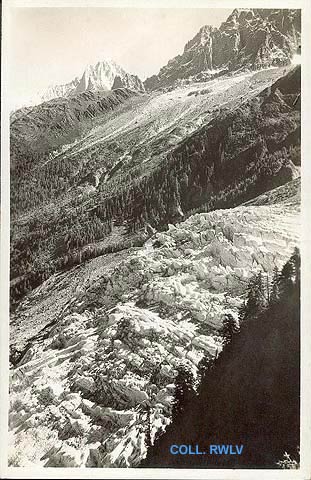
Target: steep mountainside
x,y
44,131
89,386
99,77
248,39
206,146
144,160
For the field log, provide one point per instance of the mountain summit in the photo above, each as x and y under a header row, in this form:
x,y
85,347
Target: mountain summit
x,y
248,39
99,77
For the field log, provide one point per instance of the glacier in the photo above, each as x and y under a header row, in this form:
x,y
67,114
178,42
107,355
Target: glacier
x,y
85,392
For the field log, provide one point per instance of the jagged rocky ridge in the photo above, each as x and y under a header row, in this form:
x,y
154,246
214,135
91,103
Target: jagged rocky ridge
x,y
81,393
131,82
248,39
104,75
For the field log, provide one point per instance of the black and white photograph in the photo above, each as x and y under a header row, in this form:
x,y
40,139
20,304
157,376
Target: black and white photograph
x,y
155,237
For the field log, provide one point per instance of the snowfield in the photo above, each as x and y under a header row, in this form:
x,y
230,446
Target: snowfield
x,y
85,392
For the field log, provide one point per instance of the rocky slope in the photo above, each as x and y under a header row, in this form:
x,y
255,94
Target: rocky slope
x,y
90,386
46,130
99,77
248,39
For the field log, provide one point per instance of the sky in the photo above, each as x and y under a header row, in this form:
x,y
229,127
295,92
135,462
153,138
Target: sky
x,y
51,46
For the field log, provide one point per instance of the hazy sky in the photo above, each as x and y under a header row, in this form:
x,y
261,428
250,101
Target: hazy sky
x,y
53,45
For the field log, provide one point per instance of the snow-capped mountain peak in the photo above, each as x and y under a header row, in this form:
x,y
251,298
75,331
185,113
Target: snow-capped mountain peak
x,y
100,76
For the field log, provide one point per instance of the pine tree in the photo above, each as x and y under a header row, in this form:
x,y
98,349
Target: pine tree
x,y
204,365
229,328
275,286
256,298
148,428
290,274
286,278
295,262
184,391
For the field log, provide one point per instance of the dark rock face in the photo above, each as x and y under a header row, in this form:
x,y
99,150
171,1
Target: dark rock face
x,y
132,82
248,39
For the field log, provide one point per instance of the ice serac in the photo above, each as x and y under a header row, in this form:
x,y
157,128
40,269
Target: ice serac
x,y
98,77
248,39
98,385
